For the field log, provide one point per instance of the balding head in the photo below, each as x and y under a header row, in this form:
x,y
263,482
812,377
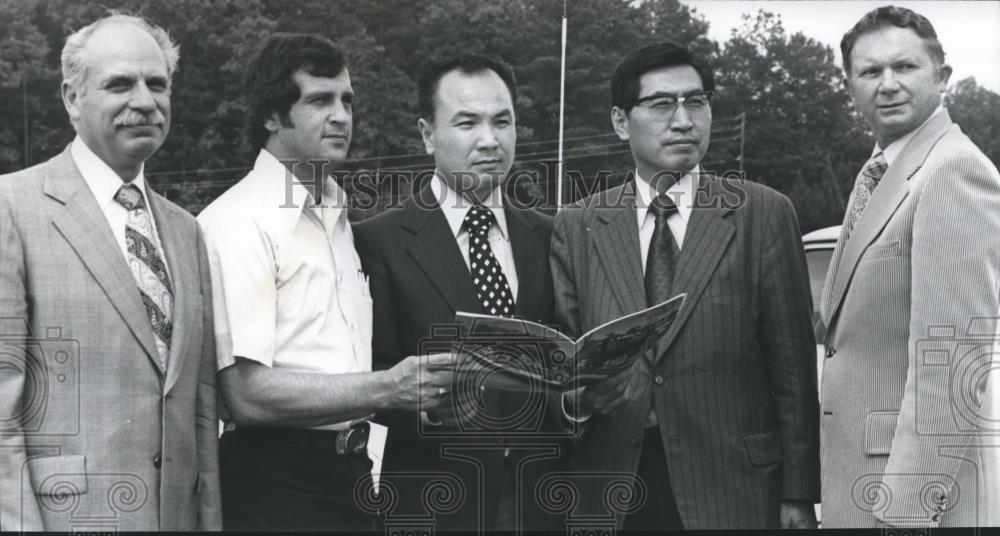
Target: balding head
x,y
116,89
76,44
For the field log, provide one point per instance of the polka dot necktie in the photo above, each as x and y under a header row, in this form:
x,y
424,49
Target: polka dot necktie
x,y
148,268
869,178
491,284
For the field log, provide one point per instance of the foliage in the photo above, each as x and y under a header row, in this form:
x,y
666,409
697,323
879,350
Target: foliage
x,y
801,134
977,111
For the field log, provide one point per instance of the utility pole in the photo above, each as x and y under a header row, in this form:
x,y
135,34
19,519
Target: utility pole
x,y
743,124
562,111
24,115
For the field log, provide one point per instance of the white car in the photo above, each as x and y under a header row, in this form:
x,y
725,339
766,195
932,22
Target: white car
x,y
819,246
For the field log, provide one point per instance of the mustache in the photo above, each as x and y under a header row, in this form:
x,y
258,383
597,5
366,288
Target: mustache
x,y
132,118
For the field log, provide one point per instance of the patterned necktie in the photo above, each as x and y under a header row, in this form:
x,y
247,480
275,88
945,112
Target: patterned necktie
x,y
491,284
148,268
663,252
870,175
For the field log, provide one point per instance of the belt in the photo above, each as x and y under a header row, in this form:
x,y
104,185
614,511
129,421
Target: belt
x,y
353,440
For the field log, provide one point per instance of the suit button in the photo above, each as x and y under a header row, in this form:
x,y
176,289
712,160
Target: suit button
x,y
157,460
829,352
658,379
634,441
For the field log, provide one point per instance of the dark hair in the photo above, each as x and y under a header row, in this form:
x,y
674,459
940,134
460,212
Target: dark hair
x,y
625,81
269,85
892,16
436,67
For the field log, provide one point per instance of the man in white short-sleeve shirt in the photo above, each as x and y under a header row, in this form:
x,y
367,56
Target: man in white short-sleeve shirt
x,y
294,318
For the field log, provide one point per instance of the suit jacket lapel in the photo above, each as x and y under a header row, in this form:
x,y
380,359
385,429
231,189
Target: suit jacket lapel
x,y
706,239
185,288
530,260
892,189
616,241
81,223
435,250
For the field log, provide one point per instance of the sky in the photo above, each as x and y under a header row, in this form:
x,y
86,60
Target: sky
x,y
968,31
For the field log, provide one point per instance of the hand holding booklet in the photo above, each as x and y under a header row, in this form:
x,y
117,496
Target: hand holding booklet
x,y
510,353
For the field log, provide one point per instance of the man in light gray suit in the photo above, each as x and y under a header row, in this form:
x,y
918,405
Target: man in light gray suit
x,y
107,366
911,298
717,428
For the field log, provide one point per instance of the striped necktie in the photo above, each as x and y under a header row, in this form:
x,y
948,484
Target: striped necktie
x,y
147,266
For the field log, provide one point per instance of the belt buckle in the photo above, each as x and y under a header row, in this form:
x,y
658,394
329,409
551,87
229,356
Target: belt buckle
x,y
354,440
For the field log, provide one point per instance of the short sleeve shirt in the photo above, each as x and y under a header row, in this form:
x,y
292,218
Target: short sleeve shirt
x,y
288,290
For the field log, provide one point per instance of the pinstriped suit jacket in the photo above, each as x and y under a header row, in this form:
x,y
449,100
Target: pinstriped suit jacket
x,y
734,380
904,376
93,436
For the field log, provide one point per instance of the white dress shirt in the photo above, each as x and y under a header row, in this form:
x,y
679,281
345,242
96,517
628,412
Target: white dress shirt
x,y
288,289
455,207
683,194
104,183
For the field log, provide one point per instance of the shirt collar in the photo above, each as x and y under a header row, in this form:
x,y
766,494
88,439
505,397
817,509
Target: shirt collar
x,y
103,182
891,152
682,192
284,198
455,207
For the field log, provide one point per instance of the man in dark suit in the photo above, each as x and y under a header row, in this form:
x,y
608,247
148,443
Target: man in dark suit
x,y
109,403
459,245
718,424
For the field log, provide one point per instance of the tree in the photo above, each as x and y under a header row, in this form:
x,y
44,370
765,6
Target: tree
x,y
977,111
801,137
23,72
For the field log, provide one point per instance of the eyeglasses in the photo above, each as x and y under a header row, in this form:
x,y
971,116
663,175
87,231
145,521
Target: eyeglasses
x,y
666,105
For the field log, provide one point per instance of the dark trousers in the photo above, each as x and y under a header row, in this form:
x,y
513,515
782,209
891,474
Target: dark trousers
x,y
660,509
284,479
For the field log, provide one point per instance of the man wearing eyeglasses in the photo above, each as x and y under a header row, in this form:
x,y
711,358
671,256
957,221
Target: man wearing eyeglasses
x,y
717,426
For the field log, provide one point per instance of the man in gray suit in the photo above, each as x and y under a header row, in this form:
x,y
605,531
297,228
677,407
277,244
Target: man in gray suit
x,y
107,378
717,427
911,298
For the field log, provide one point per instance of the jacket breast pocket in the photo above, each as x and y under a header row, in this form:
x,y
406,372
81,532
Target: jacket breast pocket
x,y
58,475
882,251
880,427
763,448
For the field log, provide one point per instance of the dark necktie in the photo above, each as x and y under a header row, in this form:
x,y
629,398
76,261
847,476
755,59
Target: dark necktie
x,y
146,264
865,185
491,284
663,252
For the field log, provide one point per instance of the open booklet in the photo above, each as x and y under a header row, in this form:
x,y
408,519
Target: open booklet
x,y
517,354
